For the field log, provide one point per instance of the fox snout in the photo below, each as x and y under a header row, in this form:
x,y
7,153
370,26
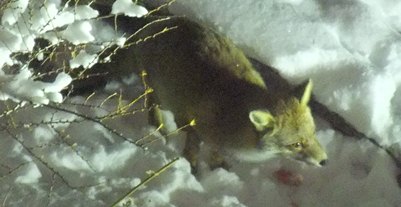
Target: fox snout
x,y
313,154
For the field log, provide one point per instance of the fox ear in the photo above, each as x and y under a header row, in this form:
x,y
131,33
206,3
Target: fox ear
x,y
307,93
261,119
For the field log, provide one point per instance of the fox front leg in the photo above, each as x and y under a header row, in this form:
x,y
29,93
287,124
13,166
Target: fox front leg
x,y
217,160
192,149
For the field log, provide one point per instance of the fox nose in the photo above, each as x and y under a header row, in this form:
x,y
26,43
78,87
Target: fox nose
x,y
323,162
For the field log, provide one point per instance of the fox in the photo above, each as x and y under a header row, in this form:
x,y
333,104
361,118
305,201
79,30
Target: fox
x,y
204,79
216,95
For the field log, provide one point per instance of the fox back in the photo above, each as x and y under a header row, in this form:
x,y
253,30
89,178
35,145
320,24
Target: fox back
x,y
199,75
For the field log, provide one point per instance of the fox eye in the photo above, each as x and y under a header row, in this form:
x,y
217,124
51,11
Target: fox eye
x,y
296,145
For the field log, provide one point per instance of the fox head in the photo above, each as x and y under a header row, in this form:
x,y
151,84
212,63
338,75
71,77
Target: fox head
x,y
290,130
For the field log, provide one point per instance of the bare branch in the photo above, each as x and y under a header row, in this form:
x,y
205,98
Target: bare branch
x,y
147,180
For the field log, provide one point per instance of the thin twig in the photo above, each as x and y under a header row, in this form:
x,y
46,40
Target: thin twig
x,y
147,180
113,131
15,137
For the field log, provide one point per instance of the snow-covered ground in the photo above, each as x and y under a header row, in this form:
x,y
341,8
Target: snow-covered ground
x,y
351,50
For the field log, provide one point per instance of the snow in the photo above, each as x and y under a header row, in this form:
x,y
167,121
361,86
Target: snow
x,y
85,12
13,11
83,59
49,17
128,8
79,32
30,176
350,49
21,87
